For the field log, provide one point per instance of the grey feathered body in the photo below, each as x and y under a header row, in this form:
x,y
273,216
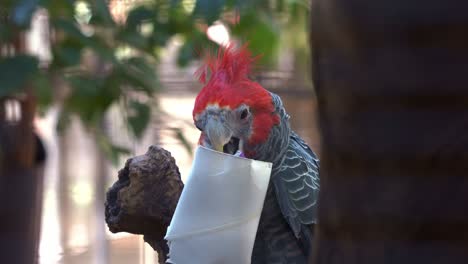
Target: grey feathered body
x,y
290,209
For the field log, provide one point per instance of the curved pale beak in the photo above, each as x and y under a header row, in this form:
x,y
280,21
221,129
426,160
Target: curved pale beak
x,y
218,133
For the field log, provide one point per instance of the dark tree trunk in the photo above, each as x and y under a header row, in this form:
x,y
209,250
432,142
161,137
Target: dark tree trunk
x,y
392,84
21,171
20,187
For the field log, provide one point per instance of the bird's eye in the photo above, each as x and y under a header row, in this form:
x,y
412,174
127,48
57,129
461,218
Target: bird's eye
x,y
244,113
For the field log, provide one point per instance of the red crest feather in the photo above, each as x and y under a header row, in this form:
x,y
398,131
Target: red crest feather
x,y
227,84
231,65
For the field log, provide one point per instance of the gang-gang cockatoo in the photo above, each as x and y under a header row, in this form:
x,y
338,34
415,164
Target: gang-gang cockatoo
x,y
237,115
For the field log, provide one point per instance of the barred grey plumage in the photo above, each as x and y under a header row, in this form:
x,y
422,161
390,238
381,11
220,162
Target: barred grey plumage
x,y
290,209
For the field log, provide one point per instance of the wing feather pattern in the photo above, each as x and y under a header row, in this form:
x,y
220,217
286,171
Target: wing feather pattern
x,y
297,185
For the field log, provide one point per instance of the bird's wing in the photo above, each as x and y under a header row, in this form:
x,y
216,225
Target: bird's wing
x,y
296,183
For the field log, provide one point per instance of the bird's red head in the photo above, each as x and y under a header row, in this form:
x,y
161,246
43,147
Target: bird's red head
x,y
232,98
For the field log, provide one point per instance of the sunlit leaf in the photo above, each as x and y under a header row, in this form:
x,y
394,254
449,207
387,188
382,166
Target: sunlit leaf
x,y
15,72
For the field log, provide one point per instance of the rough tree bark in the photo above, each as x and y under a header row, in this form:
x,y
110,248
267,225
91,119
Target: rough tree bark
x,y
392,84
144,198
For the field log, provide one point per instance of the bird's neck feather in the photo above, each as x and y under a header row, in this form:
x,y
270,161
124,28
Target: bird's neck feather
x,y
275,146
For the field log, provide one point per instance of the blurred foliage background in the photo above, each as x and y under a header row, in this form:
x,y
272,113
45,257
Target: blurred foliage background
x,y
101,57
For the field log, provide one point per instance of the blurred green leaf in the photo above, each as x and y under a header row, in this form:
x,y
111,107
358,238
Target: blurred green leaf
x,y
115,152
23,12
15,72
138,117
179,135
179,22
71,29
139,74
76,36
69,56
101,13
43,91
147,29
195,46
261,32
209,9
5,32
75,41
134,39
68,53
174,3
8,4
64,120
90,98
110,150
202,44
101,49
161,38
185,54
62,8
239,4
138,15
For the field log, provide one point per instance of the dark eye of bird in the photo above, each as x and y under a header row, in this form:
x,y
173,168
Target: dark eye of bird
x,y
244,113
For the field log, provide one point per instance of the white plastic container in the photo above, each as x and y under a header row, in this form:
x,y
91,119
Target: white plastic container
x,y
217,216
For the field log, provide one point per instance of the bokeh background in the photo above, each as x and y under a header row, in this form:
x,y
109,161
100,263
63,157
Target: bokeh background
x,y
110,78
